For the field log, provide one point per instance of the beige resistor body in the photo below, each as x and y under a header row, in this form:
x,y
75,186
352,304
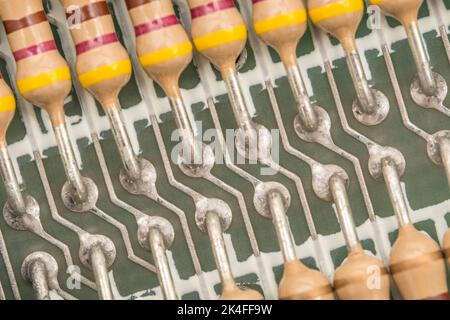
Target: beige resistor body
x,y
302,283
43,77
220,35
341,23
405,11
7,109
361,277
447,246
417,266
163,47
103,65
280,24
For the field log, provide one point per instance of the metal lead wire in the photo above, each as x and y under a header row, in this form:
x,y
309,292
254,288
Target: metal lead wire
x,y
214,228
419,53
392,180
306,110
70,164
281,224
344,211
129,160
444,149
158,248
98,265
187,132
38,275
237,100
365,96
15,197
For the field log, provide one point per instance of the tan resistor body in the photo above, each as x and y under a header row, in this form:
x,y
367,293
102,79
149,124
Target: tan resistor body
x,y
417,265
285,39
7,109
361,277
107,90
342,26
165,73
447,246
51,96
223,56
301,283
405,11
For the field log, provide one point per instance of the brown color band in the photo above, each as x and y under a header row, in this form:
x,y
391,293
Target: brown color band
x,y
442,296
415,262
311,294
91,11
131,4
27,21
339,284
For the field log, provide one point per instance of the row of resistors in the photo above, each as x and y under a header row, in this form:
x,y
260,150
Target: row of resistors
x,y
163,49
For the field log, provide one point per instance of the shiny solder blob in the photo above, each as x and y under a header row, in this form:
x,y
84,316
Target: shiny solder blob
x,y
281,24
164,51
41,270
429,88
341,19
103,68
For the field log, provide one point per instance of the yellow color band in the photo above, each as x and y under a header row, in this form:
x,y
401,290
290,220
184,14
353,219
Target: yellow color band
x,y
375,2
335,9
92,77
165,54
7,103
220,37
41,80
280,21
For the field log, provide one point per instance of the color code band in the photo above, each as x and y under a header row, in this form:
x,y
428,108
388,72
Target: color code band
x,y
156,24
34,50
335,9
165,54
220,37
92,77
89,11
7,103
25,22
41,80
90,44
280,21
131,4
211,7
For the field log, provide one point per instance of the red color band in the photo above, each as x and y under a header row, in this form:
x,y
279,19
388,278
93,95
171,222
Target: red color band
x,y
211,7
90,44
34,50
156,24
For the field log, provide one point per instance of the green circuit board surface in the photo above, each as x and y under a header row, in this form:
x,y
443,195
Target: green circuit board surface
x,y
425,183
